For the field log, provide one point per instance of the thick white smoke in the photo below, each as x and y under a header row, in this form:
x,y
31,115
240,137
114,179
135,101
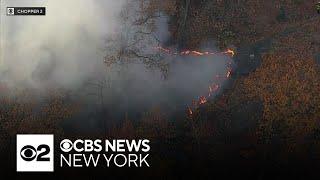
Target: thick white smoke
x,y
63,47
67,47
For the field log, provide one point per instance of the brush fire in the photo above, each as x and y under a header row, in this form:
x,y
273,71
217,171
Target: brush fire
x,y
218,78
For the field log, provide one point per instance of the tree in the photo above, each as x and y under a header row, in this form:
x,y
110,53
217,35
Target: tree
x,y
136,41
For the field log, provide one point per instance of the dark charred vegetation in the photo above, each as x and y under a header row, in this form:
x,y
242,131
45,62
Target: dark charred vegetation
x,y
223,137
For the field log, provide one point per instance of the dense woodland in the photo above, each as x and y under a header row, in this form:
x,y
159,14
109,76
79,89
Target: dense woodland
x,y
272,110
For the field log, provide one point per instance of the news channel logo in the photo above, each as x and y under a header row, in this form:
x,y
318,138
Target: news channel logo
x,y
35,153
26,11
10,11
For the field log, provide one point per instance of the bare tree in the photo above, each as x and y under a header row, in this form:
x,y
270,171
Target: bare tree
x,y
136,40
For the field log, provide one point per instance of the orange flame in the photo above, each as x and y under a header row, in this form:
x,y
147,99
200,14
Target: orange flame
x,y
212,88
202,100
230,51
228,73
196,53
190,111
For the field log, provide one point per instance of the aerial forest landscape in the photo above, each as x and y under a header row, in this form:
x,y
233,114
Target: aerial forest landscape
x,y
221,88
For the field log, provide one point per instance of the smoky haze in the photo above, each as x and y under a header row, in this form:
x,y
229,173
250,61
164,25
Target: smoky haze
x,y
62,47
67,48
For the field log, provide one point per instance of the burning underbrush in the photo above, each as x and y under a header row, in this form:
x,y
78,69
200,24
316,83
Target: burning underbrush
x,y
130,101
217,80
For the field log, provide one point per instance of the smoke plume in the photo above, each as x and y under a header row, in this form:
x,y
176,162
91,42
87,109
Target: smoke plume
x,y
67,48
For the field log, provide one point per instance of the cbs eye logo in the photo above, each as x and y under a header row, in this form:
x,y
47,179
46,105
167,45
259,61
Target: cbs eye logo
x,y
66,145
29,153
35,153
